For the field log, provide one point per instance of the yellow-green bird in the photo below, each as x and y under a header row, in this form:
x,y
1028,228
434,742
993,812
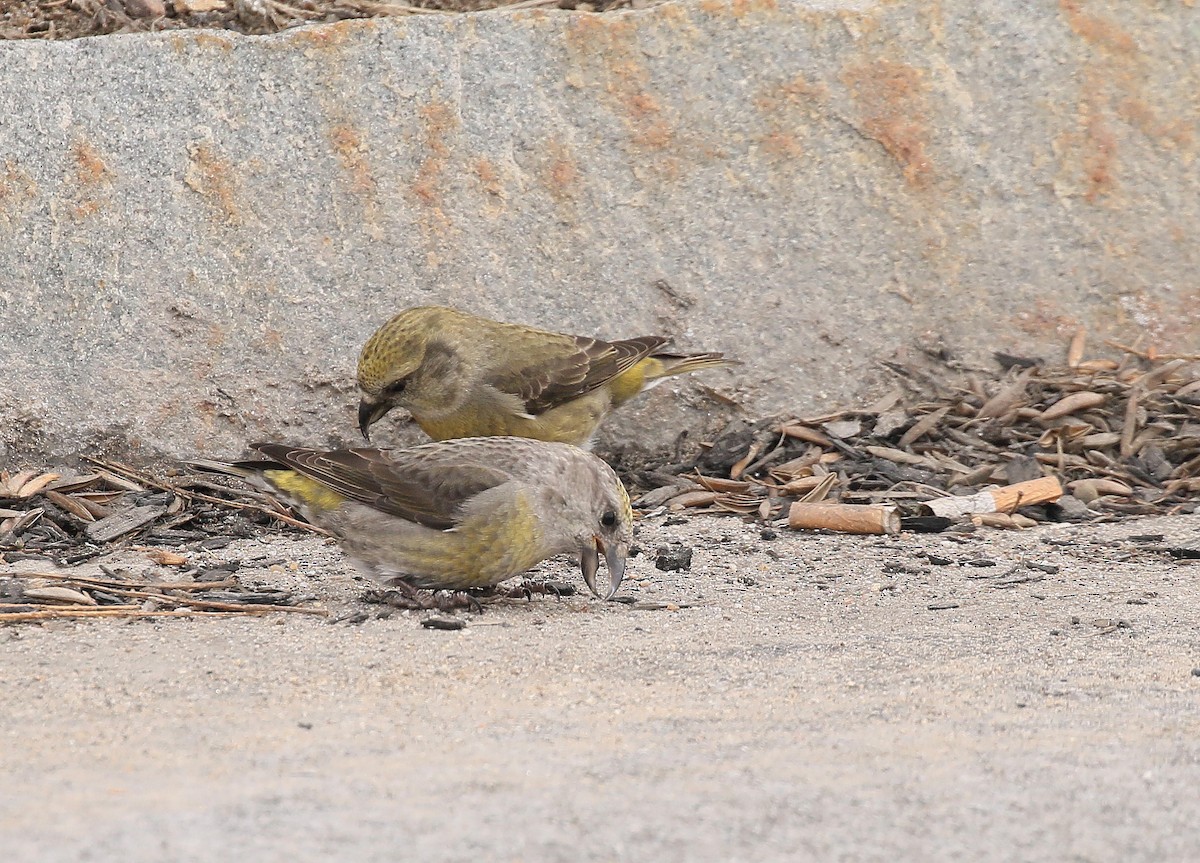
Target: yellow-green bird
x,y
461,375
454,514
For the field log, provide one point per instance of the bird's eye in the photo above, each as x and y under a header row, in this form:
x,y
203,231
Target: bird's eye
x,y
396,387
609,518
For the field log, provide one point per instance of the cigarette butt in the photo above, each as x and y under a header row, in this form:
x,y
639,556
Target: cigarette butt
x,y
1007,498
844,518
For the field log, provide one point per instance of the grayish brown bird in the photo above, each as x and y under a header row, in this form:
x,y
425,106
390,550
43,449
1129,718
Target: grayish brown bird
x,y
461,375
456,514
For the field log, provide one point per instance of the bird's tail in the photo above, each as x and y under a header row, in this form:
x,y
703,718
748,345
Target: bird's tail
x,y
658,366
251,472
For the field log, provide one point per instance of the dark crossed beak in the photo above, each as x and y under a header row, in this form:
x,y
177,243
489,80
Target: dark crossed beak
x,y
370,413
589,562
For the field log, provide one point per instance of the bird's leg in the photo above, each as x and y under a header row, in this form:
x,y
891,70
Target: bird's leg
x,y
401,594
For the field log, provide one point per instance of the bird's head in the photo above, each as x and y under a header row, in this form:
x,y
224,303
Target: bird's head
x,y
399,359
608,531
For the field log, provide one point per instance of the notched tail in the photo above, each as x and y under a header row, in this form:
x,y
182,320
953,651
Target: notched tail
x,y
665,365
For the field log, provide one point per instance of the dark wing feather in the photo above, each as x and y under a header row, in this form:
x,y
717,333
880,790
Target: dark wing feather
x,y
412,484
548,381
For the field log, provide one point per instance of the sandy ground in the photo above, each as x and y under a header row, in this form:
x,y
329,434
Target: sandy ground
x,y
811,705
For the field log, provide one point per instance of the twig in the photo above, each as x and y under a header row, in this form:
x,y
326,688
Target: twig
x,y
124,611
208,603
119,468
108,582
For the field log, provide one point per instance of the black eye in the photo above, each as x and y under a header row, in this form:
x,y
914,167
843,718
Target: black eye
x,y
609,518
396,387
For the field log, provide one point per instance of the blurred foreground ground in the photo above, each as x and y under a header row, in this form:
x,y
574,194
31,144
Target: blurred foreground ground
x,y
825,697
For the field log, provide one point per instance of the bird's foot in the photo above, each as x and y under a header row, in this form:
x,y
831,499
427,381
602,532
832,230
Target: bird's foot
x,y
529,588
405,596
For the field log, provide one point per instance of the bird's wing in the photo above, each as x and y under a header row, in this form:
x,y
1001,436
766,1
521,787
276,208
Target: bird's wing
x,y
548,375
425,486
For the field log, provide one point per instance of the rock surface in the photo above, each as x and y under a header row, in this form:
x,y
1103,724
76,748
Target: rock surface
x,y
197,229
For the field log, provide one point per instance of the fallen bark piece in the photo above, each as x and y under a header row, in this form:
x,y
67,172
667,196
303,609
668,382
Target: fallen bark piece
x,y
1007,498
123,522
844,517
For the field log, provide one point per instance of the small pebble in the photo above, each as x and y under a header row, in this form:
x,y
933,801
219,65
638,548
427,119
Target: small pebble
x,y
672,557
1048,568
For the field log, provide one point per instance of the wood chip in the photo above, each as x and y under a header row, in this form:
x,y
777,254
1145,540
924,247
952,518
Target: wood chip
x,y
897,455
1007,398
163,557
123,522
11,484
36,484
694,498
1073,403
57,594
922,427
714,483
1097,487
804,433
1075,351
69,504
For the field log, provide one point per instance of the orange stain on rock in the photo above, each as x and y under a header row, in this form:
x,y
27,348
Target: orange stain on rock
x,y
1099,157
440,123
272,339
891,98
1046,318
782,144
348,145
90,168
211,176
742,8
17,191
92,178
563,173
1137,113
182,42
488,177
330,36
608,56
1096,30
737,8
789,108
